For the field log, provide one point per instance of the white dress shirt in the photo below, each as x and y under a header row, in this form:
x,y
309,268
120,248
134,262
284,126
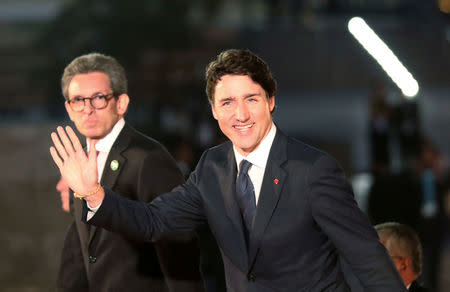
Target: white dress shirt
x,y
258,159
103,146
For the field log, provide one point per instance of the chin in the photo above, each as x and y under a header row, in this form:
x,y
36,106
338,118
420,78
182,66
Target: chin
x,y
246,149
93,135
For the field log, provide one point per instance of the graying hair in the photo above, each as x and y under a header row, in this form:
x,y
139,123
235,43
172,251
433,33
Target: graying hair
x,y
95,62
403,238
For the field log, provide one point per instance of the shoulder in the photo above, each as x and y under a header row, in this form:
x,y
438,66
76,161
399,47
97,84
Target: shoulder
x,y
415,287
132,139
218,152
140,147
300,152
215,158
314,162
139,139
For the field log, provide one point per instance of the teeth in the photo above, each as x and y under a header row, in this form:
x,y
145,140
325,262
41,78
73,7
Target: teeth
x,y
243,127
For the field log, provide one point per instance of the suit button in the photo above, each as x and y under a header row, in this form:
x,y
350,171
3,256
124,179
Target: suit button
x,y
92,259
251,277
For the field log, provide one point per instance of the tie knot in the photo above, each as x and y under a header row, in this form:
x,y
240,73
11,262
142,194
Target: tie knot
x,y
244,166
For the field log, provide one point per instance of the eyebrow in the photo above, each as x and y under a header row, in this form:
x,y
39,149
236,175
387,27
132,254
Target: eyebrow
x,y
95,93
251,95
226,99
233,98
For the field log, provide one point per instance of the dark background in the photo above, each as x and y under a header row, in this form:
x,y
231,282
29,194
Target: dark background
x,y
325,81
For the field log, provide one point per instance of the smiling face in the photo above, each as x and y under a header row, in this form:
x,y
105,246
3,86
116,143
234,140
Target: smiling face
x,y
243,111
90,122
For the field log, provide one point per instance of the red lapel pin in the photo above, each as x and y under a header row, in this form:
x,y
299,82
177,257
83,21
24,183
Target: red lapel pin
x,y
276,181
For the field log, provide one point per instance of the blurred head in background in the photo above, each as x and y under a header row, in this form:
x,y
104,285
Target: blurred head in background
x,y
404,247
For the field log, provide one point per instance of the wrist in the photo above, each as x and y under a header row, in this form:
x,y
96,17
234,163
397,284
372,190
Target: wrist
x,y
83,196
96,199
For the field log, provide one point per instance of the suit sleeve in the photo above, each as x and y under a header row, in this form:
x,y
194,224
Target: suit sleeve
x,y
177,211
178,255
72,273
336,212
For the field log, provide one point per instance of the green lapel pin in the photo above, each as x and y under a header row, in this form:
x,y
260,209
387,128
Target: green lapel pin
x,y
114,165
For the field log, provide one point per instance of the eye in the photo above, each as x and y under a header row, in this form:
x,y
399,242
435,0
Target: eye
x,y
99,96
77,99
226,103
253,98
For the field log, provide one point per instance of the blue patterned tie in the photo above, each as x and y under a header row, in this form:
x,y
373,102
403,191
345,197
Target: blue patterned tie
x,y
246,195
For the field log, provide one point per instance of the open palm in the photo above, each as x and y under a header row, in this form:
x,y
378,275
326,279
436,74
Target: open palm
x,y
77,168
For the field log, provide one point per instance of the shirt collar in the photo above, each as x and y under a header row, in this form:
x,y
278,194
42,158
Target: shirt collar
x,y
260,155
105,143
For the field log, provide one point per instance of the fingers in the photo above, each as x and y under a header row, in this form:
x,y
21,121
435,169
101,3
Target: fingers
x,y
64,147
61,150
92,150
75,141
55,157
67,143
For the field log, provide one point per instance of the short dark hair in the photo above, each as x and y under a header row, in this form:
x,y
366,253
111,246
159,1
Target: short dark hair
x,y
239,62
95,62
403,238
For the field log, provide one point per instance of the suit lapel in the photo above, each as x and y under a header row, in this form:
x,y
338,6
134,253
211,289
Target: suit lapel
x,y
273,181
228,190
110,174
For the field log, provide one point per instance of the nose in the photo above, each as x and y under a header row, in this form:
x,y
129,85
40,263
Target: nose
x,y
88,108
242,113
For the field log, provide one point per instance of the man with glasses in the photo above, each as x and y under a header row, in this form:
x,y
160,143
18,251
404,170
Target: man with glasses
x,y
94,259
405,249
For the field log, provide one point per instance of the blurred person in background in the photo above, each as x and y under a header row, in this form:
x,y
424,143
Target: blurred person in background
x,y
93,259
415,197
405,249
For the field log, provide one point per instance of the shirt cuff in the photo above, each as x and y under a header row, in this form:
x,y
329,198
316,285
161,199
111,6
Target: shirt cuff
x,y
91,211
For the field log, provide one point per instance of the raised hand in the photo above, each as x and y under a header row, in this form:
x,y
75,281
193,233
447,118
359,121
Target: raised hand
x,y
78,169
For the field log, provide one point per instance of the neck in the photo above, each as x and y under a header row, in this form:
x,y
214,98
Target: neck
x,y
408,279
92,140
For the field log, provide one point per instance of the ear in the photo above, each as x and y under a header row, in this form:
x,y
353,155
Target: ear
x,y
122,104
69,110
407,263
213,109
402,264
271,103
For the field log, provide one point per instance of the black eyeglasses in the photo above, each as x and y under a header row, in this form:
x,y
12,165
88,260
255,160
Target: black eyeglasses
x,y
97,101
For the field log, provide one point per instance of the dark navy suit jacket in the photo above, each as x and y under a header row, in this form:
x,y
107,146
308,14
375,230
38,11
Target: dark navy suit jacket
x,y
306,217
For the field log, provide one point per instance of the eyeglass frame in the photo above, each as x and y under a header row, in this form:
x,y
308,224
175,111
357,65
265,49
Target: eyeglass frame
x,y
107,97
